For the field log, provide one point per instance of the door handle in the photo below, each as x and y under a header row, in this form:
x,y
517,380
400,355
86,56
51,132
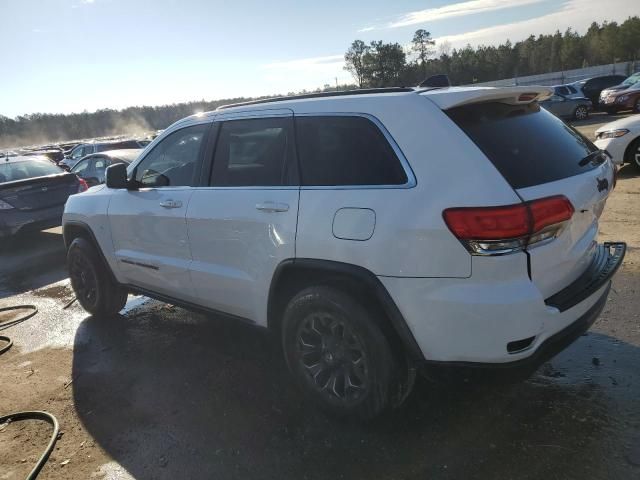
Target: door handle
x,y
171,204
272,207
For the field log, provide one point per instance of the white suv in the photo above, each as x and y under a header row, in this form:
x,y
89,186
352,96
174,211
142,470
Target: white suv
x,y
373,231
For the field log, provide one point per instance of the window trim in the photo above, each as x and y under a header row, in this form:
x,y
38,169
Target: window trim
x,y
411,178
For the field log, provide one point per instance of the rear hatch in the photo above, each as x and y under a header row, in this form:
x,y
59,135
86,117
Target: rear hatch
x,y
540,156
38,193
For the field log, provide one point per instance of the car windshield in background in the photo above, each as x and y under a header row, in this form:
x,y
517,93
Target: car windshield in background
x,y
527,144
632,79
21,170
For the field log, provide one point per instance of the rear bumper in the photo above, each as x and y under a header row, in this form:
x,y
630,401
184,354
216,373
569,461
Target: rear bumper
x,y
501,321
15,221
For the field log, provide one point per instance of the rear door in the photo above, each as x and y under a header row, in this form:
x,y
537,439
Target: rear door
x,y
541,156
242,224
148,225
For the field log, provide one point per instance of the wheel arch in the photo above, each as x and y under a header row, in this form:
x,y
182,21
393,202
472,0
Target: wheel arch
x,y
74,229
626,158
293,275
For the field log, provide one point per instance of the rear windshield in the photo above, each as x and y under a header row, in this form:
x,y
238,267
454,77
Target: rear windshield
x,y
12,171
527,144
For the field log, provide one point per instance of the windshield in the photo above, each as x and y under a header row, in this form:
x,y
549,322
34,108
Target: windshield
x,y
527,144
12,171
635,78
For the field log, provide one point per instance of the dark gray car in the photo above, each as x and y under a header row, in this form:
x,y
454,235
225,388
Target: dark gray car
x,y
33,192
561,106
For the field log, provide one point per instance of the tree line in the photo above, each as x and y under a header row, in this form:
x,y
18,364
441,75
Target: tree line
x,y
376,64
380,64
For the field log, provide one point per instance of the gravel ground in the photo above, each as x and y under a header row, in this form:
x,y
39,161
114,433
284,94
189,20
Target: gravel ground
x,y
160,392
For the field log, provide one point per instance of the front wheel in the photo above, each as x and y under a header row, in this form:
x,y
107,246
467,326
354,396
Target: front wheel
x,y
339,356
632,155
581,113
95,290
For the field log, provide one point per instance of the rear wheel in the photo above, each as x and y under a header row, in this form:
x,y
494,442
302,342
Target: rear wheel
x,y
339,356
95,290
632,155
581,112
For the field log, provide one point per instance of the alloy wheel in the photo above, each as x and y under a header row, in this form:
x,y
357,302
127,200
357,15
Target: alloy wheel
x,y
83,279
581,113
333,358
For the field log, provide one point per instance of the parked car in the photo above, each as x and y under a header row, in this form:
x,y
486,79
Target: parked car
x,y
620,100
561,106
84,149
592,87
361,249
33,192
622,140
568,90
92,167
628,83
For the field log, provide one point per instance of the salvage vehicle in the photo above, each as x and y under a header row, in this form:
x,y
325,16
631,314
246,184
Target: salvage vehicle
x,y
92,167
83,149
621,139
33,192
336,221
576,108
592,87
620,100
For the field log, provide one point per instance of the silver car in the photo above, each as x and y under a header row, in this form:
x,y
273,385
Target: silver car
x,y
561,106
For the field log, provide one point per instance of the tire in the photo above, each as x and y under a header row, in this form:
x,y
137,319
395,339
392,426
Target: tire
x,y
91,281
632,154
581,113
636,106
339,356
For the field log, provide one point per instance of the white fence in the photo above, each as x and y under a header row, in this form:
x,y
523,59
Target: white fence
x,y
567,76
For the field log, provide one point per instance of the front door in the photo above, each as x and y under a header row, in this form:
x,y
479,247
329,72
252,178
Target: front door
x,y
148,224
244,223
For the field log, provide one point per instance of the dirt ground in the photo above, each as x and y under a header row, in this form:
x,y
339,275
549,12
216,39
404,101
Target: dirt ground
x,y
159,392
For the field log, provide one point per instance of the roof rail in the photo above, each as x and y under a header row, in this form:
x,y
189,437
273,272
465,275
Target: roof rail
x,y
340,93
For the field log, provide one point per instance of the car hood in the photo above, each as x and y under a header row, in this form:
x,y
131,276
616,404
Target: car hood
x,y
614,90
631,123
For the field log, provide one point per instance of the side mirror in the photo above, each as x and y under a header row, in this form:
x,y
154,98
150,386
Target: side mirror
x,y
117,176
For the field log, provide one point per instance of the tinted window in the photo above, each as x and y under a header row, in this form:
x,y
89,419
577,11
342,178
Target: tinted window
x,y
345,151
173,161
527,144
12,171
254,152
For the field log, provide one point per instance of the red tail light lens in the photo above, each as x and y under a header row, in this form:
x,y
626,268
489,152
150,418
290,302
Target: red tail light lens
x,y
82,185
549,211
505,229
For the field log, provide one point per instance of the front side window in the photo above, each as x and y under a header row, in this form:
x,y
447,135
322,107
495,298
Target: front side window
x,y
254,152
78,152
343,150
172,163
81,168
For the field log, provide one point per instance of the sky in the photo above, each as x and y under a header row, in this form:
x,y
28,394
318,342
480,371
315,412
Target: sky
x,y
62,56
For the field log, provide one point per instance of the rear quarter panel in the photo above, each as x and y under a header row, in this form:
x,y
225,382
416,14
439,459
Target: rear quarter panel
x,y
410,238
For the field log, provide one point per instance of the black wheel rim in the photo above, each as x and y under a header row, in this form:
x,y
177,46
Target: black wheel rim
x,y
333,358
83,279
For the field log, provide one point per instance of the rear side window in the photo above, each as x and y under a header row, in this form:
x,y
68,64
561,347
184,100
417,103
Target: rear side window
x,y
342,150
253,153
527,144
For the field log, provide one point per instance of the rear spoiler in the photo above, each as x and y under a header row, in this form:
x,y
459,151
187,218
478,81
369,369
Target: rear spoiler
x,y
452,97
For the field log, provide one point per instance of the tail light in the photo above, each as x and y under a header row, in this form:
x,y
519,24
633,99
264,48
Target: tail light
x,y
82,185
511,228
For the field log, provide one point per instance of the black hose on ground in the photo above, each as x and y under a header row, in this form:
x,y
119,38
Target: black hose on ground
x,y
30,415
11,323
37,415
